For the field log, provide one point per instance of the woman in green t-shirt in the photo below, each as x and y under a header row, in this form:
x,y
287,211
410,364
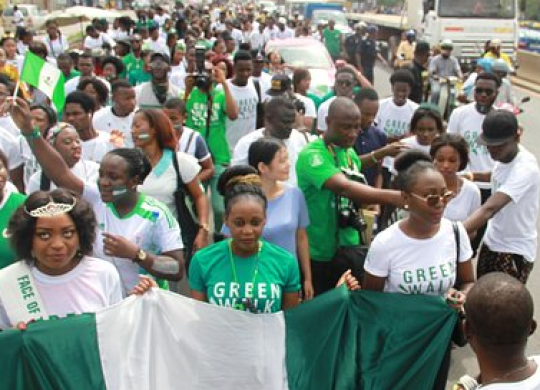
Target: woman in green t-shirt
x,y
244,272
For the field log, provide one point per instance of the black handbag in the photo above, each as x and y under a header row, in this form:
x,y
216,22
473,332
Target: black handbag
x,y
458,335
188,225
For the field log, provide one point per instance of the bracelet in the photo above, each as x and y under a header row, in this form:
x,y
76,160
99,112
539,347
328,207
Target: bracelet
x,y
34,134
373,158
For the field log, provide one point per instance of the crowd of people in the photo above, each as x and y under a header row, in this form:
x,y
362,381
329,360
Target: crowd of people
x,y
184,150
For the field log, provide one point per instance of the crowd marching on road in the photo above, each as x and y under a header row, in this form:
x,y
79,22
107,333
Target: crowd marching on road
x,y
187,146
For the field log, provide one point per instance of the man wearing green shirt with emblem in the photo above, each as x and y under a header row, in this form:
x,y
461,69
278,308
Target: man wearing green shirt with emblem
x,y
134,59
326,169
332,40
199,92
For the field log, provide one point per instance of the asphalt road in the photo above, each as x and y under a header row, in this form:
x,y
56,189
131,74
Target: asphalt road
x,y
463,359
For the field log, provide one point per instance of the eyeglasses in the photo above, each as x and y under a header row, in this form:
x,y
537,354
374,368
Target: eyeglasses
x,y
433,200
344,83
487,91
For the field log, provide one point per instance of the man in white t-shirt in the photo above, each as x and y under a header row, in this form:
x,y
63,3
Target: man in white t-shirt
x,y
264,79
118,117
510,242
95,39
271,30
156,43
284,31
85,65
280,115
499,322
246,96
78,112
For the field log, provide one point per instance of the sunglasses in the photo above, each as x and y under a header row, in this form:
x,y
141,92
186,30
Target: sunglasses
x,y
433,200
345,83
487,91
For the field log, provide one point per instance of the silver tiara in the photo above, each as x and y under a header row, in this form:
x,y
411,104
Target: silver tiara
x,y
51,209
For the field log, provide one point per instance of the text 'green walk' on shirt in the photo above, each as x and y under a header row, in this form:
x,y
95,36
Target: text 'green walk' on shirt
x,y
197,112
8,206
211,272
314,167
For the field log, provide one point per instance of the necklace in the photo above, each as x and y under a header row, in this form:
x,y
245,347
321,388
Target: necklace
x,y
504,377
247,303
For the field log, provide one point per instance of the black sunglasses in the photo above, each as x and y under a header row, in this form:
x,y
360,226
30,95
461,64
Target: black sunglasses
x,y
487,91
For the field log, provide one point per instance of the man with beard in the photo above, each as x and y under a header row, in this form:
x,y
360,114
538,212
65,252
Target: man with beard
x,y
155,92
467,121
443,66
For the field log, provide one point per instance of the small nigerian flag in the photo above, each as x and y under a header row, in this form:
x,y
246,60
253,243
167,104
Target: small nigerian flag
x,y
45,77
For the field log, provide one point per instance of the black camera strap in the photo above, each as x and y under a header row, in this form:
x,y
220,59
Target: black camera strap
x,y
350,165
209,102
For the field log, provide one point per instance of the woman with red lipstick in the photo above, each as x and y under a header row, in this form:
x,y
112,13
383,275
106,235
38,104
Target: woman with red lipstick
x,y
418,254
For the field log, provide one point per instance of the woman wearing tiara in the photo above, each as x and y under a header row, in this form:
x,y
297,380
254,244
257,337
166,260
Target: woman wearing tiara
x,y
53,234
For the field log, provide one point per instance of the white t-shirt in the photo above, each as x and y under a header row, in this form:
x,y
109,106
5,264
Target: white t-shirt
x,y
96,148
12,148
257,40
270,33
192,143
513,228
323,113
247,99
158,46
467,122
161,183
265,81
104,120
311,111
287,33
411,142
295,143
146,97
466,202
18,18
56,47
150,225
413,266
178,78
92,285
395,120
72,84
87,171
97,43
531,383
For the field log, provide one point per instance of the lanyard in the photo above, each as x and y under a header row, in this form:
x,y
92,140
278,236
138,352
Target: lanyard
x,y
333,153
246,302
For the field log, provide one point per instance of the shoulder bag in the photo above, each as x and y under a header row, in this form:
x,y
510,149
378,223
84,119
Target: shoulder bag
x,y
458,335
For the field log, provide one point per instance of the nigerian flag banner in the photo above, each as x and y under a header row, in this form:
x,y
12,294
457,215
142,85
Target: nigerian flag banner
x,y
46,77
340,340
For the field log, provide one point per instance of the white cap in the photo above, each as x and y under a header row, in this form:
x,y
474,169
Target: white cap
x,y
282,20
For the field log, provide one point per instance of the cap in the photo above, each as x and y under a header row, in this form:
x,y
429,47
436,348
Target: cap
x,y
495,43
160,55
279,85
485,63
360,25
500,65
282,20
372,28
411,33
499,127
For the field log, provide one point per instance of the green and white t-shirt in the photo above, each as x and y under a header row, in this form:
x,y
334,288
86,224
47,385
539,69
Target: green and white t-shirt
x,y
263,278
150,225
12,200
314,167
414,266
197,112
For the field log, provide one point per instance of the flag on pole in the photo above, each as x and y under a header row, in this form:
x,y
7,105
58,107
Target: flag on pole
x,y
42,75
162,341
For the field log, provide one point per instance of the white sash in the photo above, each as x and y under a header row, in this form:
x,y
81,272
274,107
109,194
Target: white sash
x,y
20,296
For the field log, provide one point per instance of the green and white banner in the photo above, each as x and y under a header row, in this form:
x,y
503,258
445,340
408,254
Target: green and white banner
x,y
161,341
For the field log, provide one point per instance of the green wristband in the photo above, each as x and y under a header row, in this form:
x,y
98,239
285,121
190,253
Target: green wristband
x,y
33,135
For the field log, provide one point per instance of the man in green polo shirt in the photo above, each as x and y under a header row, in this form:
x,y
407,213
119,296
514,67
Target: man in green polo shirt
x,y
332,40
320,177
134,59
223,106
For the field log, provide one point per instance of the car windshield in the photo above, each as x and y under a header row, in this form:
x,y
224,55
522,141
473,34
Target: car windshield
x,y
304,57
488,9
325,16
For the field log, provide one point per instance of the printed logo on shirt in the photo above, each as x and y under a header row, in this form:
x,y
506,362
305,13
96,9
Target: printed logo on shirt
x,y
474,147
394,128
316,160
430,280
264,296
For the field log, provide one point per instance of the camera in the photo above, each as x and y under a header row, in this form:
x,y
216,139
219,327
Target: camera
x,y
349,217
203,78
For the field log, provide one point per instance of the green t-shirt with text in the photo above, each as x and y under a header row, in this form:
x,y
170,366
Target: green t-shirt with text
x,y
262,278
197,112
332,41
315,165
132,63
139,76
13,201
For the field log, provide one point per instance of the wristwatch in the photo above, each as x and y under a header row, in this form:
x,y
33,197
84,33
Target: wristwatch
x,y
140,256
205,227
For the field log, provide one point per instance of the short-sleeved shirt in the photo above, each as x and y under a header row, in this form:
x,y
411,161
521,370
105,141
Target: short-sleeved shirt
x,y
444,67
369,48
132,63
197,112
12,200
150,225
146,98
332,41
138,77
418,266
513,228
192,143
263,277
315,166
367,141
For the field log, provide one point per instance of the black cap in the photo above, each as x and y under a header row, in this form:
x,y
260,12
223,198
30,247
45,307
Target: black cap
x,y
160,55
279,85
499,127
